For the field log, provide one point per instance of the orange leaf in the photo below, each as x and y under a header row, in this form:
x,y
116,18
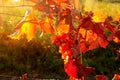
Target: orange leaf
x,y
35,1
77,4
63,27
46,26
0,21
99,17
40,7
117,18
51,2
62,1
65,22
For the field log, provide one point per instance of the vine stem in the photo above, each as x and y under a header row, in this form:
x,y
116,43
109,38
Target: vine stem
x,y
81,61
81,55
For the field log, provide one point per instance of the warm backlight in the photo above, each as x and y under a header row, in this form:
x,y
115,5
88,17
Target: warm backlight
x,y
16,0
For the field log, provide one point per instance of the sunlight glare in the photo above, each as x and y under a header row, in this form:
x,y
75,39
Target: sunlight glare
x,y
15,0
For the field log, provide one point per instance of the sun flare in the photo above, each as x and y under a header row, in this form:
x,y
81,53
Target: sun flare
x,y
16,0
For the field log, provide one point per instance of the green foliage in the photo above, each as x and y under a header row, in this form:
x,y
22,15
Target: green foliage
x,y
38,58
104,61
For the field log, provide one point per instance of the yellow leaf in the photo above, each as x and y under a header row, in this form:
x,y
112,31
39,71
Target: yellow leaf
x,y
26,29
99,16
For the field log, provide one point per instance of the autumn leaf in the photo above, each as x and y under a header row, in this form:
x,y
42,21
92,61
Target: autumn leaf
x,y
0,20
26,28
76,17
65,22
67,46
41,6
19,25
63,1
100,77
35,1
91,35
63,27
77,4
51,2
47,5
74,69
116,77
58,8
90,40
24,77
99,17
115,36
108,25
117,18
46,26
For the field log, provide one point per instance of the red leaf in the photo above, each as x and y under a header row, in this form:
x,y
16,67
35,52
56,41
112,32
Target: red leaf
x,y
24,77
102,42
108,25
83,46
91,35
74,69
90,40
115,36
51,2
116,77
100,77
93,45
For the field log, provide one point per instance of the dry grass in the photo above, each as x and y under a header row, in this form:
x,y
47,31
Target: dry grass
x,y
108,8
